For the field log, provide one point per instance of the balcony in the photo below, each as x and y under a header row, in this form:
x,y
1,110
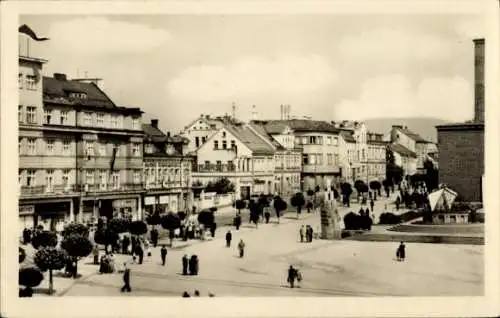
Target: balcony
x,y
216,168
166,185
27,191
105,188
320,168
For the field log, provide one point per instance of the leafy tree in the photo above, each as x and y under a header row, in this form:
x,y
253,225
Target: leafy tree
x,y
170,222
44,239
181,215
375,186
76,246
346,190
389,218
240,205
29,277
221,186
105,237
298,202
50,259
431,175
138,227
206,217
310,192
358,185
22,254
153,218
76,228
352,221
280,206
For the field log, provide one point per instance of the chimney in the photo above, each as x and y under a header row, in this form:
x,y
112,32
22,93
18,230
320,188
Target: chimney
x,y
168,134
154,123
479,80
60,76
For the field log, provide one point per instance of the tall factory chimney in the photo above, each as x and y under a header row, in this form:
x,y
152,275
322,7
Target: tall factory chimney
x,y
479,80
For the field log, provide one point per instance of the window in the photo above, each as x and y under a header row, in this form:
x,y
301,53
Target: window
x,y
114,121
31,147
66,146
137,176
328,140
305,158
64,117
47,118
20,146
89,178
197,141
20,80
136,150
203,139
65,178
49,180
363,154
135,123
30,82
20,113
87,119
335,141
89,150
319,158
329,159
312,140
102,179
31,115
216,144
100,120
115,180
50,146
102,149
31,178
233,144
149,148
223,134
224,144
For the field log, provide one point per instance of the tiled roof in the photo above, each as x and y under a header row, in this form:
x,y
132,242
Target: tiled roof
x,y
300,125
250,139
403,151
347,135
262,130
413,135
154,133
56,90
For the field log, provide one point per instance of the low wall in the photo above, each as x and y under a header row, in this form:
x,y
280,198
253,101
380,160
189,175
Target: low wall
x,y
475,228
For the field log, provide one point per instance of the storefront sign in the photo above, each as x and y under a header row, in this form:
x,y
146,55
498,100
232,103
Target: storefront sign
x,y
26,209
149,200
130,203
164,199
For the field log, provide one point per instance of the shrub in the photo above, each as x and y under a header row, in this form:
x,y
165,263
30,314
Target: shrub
x,y
352,221
76,228
410,215
389,218
279,205
138,227
50,259
310,192
29,277
298,201
77,247
153,218
206,218
105,237
44,239
22,254
170,221
181,215
240,205
119,225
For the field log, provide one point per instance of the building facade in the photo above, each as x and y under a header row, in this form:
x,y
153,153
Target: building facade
x,y
376,157
349,160
167,172
404,158
199,130
80,155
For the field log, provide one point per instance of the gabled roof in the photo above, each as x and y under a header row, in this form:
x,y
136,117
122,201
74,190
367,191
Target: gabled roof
x,y
300,125
262,131
412,135
347,135
402,150
156,135
253,141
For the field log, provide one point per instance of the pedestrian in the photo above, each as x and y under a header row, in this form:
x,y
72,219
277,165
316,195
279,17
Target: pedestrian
x,y
163,252
372,204
196,293
229,237
310,234
292,274
213,227
241,248
401,252
185,262
140,253
185,295
237,221
154,237
125,244
126,279
267,216
95,252
193,265
301,233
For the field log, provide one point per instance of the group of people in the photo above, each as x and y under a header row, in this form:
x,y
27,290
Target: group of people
x,y
190,265
196,294
107,264
306,233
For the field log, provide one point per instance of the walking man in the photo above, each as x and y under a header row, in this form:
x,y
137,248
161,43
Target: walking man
x,y
163,254
185,262
301,233
229,237
372,204
292,274
241,248
401,252
126,279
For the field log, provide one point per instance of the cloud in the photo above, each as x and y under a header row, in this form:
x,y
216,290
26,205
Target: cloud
x,y
393,46
393,96
253,77
95,36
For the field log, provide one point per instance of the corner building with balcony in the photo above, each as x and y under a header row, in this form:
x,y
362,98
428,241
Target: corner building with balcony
x,y
167,171
80,155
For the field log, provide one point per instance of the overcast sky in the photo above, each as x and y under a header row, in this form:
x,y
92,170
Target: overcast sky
x,y
329,67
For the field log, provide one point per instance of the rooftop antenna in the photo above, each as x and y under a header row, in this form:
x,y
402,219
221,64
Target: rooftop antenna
x,y
85,74
281,112
254,113
234,109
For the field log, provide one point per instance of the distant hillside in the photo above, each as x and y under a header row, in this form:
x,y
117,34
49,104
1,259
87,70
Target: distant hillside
x,y
425,127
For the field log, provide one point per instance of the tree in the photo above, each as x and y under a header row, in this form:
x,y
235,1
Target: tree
x,y
240,205
181,215
431,175
389,218
310,192
106,237
29,277
221,186
138,227
298,202
375,186
263,201
76,246
279,205
153,218
346,191
76,228
44,239
206,217
22,254
170,222
50,259
352,221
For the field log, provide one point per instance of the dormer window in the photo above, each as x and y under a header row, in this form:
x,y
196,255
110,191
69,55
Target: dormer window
x,y
77,95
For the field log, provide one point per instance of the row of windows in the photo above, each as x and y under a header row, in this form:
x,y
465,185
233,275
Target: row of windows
x,y
224,144
28,82
317,159
293,179
27,177
197,141
50,119
317,140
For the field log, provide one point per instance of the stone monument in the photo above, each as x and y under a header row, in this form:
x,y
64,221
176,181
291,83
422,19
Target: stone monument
x,y
330,218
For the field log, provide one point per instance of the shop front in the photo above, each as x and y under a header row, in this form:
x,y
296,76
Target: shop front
x,y
52,215
26,217
125,208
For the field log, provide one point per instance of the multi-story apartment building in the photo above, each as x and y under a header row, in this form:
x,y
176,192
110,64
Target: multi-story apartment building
x,y
167,171
349,160
239,154
199,130
80,154
405,158
287,156
376,157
